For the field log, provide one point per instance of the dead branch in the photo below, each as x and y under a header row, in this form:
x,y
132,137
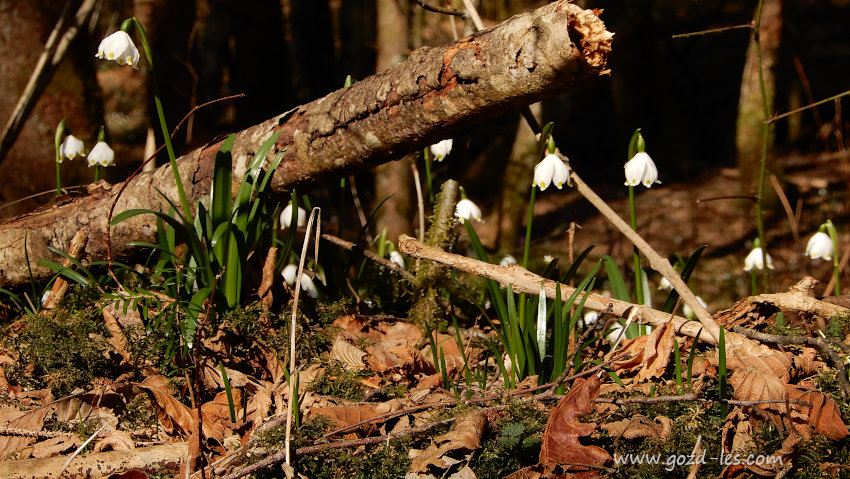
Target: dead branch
x,y
436,93
101,464
524,281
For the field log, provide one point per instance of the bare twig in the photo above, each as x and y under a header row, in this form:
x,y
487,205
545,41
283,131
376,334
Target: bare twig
x,y
713,30
443,10
370,255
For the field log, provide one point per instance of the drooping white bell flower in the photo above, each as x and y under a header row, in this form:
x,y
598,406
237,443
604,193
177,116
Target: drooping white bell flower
x,y
307,284
101,155
590,318
820,246
664,284
641,169
397,259
689,313
120,48
286,217
507,260
441,149
551,170
614,333
70,148
754,260
467,210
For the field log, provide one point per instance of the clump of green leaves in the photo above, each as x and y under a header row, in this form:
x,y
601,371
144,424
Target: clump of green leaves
x,y
65,351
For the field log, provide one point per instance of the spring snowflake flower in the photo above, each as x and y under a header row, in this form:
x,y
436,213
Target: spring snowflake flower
x,y
397,259
467,210
307,284
641,169
664,284
286,217
120,48
819,246
101,155
70,148
589,318
689,313
507,260
551,170
441,149
754,260
614,333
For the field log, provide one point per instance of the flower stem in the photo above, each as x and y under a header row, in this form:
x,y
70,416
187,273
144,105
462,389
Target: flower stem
x,y
765,145
96,172
528,227
184,202
833,235
428,175
638,271
57,141
753,286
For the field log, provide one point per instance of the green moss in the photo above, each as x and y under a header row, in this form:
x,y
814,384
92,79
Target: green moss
x,y
337,381
63,351
838,327
511,442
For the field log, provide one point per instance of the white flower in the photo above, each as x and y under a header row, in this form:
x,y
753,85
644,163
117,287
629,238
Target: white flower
x,y
101,155
819,246
119,47
641,169
614,333
548,258
664,284
689,313
70,148
307,284
507,260
590,318
551,170
754,260
467,210
286,217
441,149
397,259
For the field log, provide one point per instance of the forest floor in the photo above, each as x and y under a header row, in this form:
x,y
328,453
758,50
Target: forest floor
x,y
380,396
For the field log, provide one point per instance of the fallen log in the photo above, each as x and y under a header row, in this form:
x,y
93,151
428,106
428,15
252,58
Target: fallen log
x,y
436,93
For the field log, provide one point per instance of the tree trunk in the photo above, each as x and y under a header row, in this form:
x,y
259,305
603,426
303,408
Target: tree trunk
x,y
438,92
751,110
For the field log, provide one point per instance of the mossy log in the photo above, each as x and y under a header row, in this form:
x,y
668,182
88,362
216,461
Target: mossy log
x,y
436,93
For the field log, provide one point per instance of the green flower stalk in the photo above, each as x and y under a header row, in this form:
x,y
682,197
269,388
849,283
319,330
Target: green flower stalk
x,y
57,143
639,169
120,48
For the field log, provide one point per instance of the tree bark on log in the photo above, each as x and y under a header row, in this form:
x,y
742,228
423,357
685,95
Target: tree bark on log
x,y
437,92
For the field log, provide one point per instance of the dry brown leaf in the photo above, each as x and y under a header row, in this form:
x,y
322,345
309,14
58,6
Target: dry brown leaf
x,y
10,417
462,440
640,426
115,441
560,439
749,354
176,417
756,385
649,354
216,414
350,356
806,363
346,414
55,446
823,414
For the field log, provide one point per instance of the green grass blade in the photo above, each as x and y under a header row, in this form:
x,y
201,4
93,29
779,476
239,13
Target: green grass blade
x,y
670,303
615,279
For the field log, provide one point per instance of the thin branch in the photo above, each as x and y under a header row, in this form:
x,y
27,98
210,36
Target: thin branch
x,y
811,105
370,255
443,10
713,30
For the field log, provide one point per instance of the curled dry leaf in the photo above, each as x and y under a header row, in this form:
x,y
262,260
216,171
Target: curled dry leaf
x,y
345,414
560,439
806,363
640,426
459,442
176,418
823,415
350,356
115,441
649,354
216,414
